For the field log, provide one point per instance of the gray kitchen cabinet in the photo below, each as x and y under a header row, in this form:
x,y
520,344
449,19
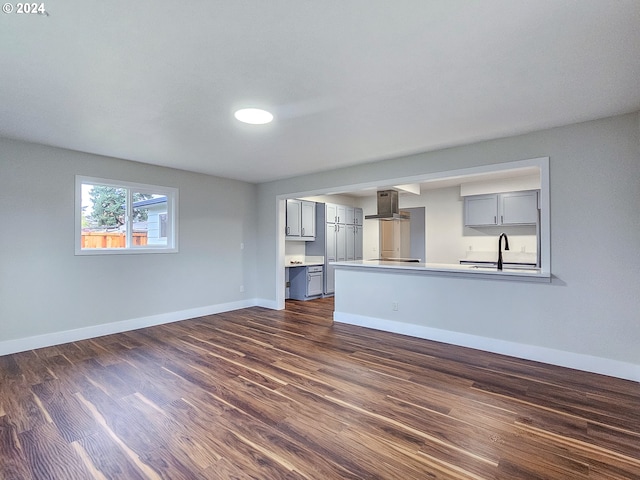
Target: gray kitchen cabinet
x,y
315,284
337,241
350,234
518,208
480,210
308,219
349,216
357,216
341,214
301,220
357,242
341,243
331,255
338,237
306,282
336,247
331,213
331,247
294,216
511,208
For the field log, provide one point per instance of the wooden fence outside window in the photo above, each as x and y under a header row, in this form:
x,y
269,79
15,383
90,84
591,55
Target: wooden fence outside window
x,y
111,239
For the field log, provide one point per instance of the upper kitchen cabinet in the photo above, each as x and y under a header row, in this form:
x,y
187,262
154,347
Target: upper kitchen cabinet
x,y
518,208
294,218
341,212
308,220
481,210
357,216
349,216
331,213
512,208
301,220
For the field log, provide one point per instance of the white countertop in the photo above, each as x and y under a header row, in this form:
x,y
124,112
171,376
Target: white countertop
x,y
308,261
534,274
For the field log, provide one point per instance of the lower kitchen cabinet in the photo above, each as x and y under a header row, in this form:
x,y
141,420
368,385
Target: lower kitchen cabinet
x,y
306,282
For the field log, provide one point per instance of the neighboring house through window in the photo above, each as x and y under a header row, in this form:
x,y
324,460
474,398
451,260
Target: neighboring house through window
x,y
122,217
154,211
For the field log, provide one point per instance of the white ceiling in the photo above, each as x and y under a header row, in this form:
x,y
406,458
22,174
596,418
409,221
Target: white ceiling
x,y
348,81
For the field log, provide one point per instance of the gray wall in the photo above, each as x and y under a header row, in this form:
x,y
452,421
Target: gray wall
x,y
45,288
592,305
418,233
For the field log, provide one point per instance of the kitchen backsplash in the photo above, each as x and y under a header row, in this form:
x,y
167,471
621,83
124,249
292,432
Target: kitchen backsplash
x,y
294,249
294,253
508,256
517,244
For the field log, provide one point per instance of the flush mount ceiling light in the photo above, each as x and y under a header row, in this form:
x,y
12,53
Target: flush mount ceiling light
x,y
254,116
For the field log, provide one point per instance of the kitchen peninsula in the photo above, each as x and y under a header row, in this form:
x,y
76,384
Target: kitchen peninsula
x,y
467,305
472,271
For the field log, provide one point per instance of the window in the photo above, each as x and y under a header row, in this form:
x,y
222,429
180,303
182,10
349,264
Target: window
x,y
122,217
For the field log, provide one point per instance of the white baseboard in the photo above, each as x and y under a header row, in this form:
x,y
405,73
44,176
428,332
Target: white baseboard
x,y
56,338
578,361
263,302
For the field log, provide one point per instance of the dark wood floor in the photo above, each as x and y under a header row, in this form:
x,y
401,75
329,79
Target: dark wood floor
x,y
287,395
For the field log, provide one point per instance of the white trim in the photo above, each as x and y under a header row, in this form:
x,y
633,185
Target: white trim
x,y
281,223
264,303
578,361
56,338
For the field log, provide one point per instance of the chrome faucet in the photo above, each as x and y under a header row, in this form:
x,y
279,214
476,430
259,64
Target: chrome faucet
x,y
506,247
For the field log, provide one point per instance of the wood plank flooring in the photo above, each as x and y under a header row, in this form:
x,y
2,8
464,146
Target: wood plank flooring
x,y
267,394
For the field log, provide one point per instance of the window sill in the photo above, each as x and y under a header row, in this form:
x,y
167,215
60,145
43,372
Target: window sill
x,y
123,251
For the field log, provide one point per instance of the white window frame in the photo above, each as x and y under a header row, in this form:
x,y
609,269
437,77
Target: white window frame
x,y
172,217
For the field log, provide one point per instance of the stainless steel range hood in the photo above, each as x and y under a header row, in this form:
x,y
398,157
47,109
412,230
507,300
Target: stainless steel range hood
x,y
388,207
